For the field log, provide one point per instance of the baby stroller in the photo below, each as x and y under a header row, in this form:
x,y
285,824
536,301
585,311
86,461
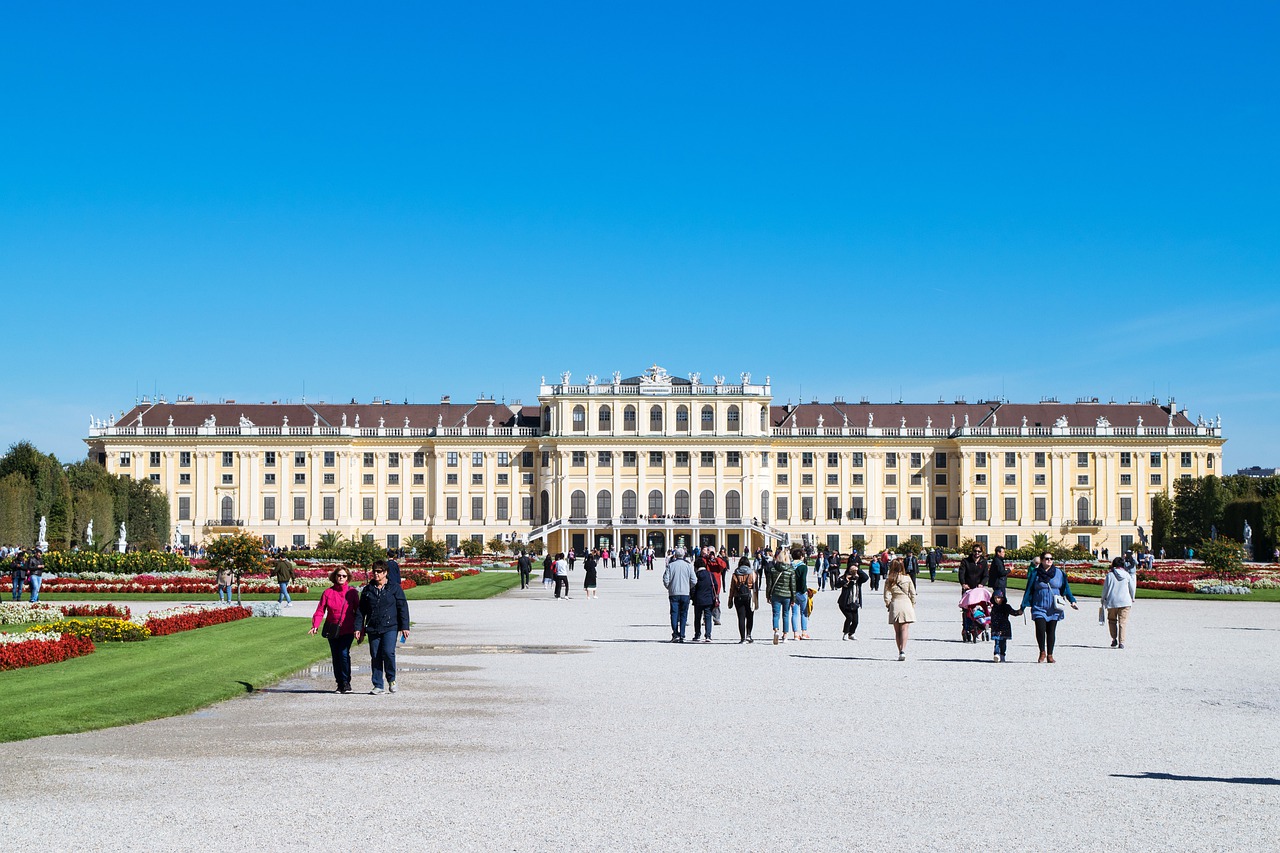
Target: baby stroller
x,y
975,605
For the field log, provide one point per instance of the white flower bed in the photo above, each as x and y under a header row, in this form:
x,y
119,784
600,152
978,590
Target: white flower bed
x,y
181,610
1223,589
14,639
265,608
16,612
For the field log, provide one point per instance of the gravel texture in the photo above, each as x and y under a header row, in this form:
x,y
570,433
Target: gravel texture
x,y
526,723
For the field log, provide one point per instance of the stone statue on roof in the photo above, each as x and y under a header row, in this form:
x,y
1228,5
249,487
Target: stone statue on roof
x,y
719,380
211,421
439,421
1024,421
1061,422
819,421
966,420
953,421
1103,423
617,377
745,377
845,415
993,418
286,421
564,377
316,422
592,379
344,420
1139,421
871,419
382,423
357,420
904,421
406,421
695,378
928,422
245,422
170,420
490,421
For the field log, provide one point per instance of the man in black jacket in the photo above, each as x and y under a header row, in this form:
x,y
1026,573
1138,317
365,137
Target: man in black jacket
x,y
998,576
525,565
973,569
383,613
933,560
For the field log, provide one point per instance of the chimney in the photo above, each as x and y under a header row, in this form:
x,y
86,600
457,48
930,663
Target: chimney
x,y
444,399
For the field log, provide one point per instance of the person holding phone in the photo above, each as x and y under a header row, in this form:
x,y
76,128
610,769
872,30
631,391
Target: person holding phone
x,y
384,612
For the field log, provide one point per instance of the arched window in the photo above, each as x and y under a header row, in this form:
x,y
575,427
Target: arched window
x,y
629,504
682,504
733,507
579,418
604,505
578,506
629,419
708,419
733,418
228,510
1082,510
655,419
655,503
606,419
545,514
764,506
707,505
682,419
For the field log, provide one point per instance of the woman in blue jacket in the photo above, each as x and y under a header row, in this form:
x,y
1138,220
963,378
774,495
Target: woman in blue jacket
x,y
1044,584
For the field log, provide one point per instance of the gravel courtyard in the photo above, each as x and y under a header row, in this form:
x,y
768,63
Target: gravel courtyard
x,y
526,723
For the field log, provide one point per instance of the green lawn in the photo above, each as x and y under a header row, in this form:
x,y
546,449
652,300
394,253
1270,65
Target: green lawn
x,y
1091,590
123,683
483,585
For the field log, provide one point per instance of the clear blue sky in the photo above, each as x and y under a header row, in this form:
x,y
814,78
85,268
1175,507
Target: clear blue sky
x,y
914,200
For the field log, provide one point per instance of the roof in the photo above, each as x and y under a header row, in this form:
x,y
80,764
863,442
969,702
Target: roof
x,y
940,415
419,415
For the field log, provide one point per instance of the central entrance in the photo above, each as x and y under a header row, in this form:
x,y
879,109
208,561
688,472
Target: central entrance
x,y
657,540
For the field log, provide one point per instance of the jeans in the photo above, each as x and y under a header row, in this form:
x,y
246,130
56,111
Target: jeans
x,y
702,621
340,651
382,650
635,572
35,580
1001,644
799,618
284,593
19,581
679,615
781,607
224,591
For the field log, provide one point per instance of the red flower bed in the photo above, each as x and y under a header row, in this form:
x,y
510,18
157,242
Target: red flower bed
x,y
108,611
424,576
201,619
146,584
40,651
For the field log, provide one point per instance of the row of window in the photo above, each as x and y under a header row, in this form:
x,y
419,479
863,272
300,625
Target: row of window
x,y
604,419
368,508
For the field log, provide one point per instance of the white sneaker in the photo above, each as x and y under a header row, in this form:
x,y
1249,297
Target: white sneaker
x,y
377,691
902,655
391,686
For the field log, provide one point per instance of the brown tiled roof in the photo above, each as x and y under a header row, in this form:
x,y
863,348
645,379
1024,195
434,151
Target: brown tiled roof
x,y
918,415
422,416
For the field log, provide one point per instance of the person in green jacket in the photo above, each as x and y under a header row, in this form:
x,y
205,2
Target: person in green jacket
x,y
782,588
800,598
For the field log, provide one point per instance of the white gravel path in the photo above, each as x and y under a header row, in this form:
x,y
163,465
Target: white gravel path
x,y
546,724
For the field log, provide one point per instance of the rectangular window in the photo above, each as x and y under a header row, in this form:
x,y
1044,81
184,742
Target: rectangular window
x,y
917,509
858,460
154,458
526,459
833,479
269,459
891,508
857,509
546,459
269,508
504,458
477,458
979,509
300,478
477,479
833,460
184,479
451,542
328,479
629,459
1011,479
981,539
891,479
367,479
393,509
1126,509
393,541
917,480
1082,479
604,459
451,459
980,459
228,459
184,508
833,509
299,508
126,459
1126,479
784,459
1126,459
451,508
939,460
682,459
228,479
1186,460
917,459
526,478
857,479
368,460
891,460
784,511
1040,460
419,459
1010,509
526,508
806,460
980,479
707,459
299,540
502,479
1010,460
330,458
579,459
1082,460
891,542
764,459
367,508
155,478
939,479
782,479
184,459
330,507
940,540
269,478
806,479
1155,479
1155,459
733,459
419,508
393,460
1042,511
1011,542
939,507
503,508
655,459
1039,479
477,508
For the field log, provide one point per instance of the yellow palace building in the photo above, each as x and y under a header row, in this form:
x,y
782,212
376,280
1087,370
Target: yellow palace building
x,y
656,459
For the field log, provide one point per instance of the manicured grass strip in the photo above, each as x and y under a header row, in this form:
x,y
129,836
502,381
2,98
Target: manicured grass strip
x,y
123,683
1094,590
483,585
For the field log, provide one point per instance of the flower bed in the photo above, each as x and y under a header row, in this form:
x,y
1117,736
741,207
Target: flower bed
x,y
163,622
426,577
114,611
104,630
19,612
148,584
22,650
135,562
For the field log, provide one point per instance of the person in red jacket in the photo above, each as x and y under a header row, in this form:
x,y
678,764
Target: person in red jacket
x,y
337,612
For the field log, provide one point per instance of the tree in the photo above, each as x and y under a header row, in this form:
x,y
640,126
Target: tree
x,y
1223,556
242,553
17,511
859,544
1161,522
471,548
1197,509
911,546
434,551
360,550
330,540
496,545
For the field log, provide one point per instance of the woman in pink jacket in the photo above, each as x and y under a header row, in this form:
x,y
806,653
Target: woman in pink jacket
x,y
338,611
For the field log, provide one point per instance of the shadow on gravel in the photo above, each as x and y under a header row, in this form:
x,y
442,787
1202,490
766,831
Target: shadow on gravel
x,y
1175,777
844,657
664,642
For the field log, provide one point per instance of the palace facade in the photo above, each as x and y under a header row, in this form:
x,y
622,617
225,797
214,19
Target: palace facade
x,y
662,460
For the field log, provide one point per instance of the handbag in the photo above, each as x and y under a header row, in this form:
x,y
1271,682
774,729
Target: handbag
x,y
1060,603
329,631
715,615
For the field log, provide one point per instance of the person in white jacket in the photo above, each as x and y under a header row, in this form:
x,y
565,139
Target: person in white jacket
x,y
1118,591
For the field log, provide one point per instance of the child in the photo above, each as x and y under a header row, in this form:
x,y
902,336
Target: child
x,y
1001,630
